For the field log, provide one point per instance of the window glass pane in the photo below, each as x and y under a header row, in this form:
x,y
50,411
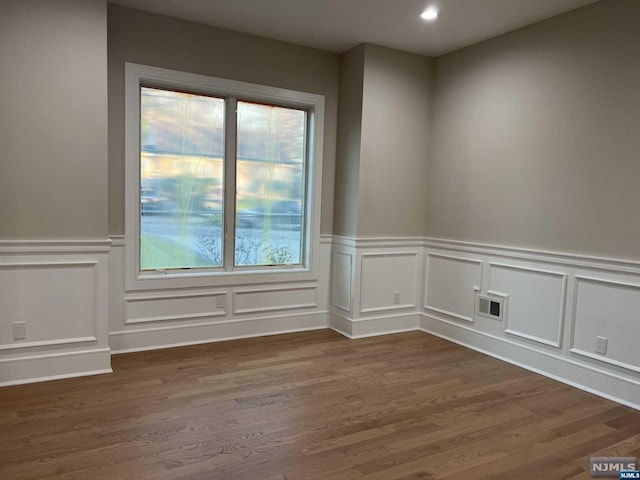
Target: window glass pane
x,y
270,184
182,172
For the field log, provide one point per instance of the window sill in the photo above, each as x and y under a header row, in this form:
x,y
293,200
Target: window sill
x,y
153,281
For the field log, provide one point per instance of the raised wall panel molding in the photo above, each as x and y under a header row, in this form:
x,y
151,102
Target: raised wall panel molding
x,y
173,318
606,306
171,294
621,304
455,301
159,300
60,289
341,280
391,280
40,302
306,300
510,325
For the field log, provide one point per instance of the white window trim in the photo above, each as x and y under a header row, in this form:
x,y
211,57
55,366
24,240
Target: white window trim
x,y
135,75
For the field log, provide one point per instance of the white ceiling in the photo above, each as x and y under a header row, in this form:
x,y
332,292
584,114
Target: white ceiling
x,y
338,25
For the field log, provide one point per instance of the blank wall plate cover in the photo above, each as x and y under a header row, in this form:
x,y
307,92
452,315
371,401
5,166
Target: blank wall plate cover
x,y
220,301
601,345
396,298
19,330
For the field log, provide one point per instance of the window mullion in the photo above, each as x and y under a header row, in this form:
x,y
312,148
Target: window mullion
x,y
230,182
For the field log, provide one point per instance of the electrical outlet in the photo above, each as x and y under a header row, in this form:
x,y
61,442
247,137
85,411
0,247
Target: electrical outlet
x,y
601,345
220,301
396,298
19,330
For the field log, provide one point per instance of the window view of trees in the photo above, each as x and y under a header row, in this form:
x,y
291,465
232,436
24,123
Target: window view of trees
x,y
182,182
270,181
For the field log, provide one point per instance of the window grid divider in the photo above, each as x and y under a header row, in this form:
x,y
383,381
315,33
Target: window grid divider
x,y
230,150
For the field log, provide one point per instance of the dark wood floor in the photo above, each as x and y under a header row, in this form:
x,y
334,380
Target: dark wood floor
x,y
310,406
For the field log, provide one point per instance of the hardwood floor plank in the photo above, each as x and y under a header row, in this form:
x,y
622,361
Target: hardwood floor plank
x,y
309,406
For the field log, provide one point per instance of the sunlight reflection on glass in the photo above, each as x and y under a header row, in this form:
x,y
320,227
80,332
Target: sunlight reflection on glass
x,y
182,172
270,185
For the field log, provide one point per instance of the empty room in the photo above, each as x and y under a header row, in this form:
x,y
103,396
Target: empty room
x,y
309,240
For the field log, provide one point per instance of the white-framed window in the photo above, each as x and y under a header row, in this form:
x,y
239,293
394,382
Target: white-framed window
x,y
222,180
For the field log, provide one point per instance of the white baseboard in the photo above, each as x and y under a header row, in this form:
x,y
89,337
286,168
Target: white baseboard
x,y
154,338
618,388
54,366
374,326
340,324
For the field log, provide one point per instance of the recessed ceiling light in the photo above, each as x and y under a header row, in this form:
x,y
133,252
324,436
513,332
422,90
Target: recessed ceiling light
x,y
430,13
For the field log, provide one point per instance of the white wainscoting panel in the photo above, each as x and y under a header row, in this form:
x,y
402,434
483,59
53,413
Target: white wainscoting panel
x,y
550,295
342,280
174,306
610,309
451,282
59,288
168,317
55,299
362,276
367,273
536,301
382,274
258,300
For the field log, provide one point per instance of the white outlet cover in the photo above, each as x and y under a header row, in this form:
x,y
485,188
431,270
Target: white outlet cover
x,y
20,330
601,345
220,301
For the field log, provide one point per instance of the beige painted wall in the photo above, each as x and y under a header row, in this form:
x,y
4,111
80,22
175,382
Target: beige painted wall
x,y
395,143
537,136
53,119
345,222
146,38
